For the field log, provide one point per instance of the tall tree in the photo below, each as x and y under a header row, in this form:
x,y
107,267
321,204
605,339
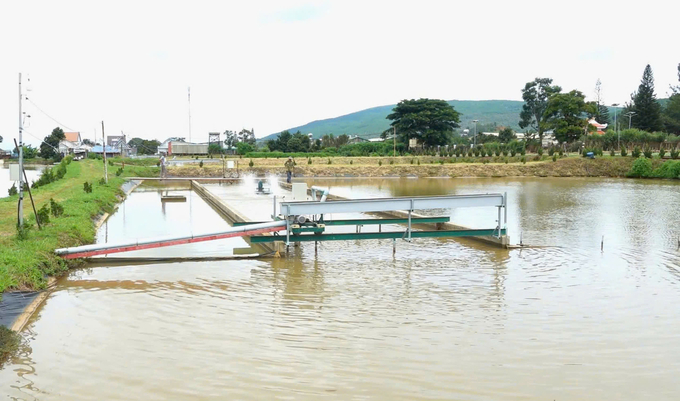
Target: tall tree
x,y
602,111
535,95
230,139
87,141
0,138
647,110
671,113
49,148
506,135
566,114
431,121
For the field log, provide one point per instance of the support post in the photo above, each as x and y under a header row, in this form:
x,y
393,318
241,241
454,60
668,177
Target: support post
x,y
106,169
23,172
394,246
410,211
499,222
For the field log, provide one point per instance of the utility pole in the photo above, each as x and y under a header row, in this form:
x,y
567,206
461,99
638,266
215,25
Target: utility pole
x,y
189,98
394,140
630,117
475,135
106,169
21,160
616,128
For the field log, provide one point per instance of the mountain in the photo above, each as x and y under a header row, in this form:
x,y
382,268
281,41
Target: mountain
x,y
371,122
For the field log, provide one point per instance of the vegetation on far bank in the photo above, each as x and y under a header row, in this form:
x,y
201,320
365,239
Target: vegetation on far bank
x,y
26,254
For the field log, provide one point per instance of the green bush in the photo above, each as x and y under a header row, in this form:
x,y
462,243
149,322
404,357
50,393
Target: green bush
x,y
329,160
418,162
379,162
662,152
351,162
24,230
524,160
56,209
523,151
200,164
551,151
110,162
44,214
391,161
612,153
13,190
641,168
540,151
554,157
102,181
675,153
119,172
669,169
636,152
309,160
87,187
624,151
647,152
250,163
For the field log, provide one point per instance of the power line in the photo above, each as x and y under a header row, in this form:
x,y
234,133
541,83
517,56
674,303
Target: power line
x,y
49,116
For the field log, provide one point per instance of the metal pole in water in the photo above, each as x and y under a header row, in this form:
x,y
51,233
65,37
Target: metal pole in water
x,y
394,246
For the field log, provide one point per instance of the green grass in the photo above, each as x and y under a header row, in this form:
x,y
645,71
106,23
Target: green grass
x,y
9,343
26,264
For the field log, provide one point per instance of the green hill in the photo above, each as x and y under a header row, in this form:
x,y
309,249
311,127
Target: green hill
x,y
371,122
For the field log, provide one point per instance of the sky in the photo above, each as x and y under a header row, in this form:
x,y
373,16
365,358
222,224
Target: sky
x,y
276,64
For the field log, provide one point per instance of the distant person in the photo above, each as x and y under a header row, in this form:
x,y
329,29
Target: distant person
x,y
260,186
290,165
163,168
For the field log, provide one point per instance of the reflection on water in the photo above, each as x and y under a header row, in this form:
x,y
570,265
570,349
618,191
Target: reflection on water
x,y
443,319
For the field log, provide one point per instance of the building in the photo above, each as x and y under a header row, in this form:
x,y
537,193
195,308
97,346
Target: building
x,y
356,139
179,147
119,142
110,151
599,127
73,137
72,144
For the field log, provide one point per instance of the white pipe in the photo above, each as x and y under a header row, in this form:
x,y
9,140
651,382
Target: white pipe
x,y
324,192
148,241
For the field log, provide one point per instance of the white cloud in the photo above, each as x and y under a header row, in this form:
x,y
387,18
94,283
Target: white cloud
x,y
270,65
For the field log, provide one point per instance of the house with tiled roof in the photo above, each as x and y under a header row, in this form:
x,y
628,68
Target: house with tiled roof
x,y
73,137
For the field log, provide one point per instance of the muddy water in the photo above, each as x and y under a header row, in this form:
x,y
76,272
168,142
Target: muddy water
x,y
32,172
441,320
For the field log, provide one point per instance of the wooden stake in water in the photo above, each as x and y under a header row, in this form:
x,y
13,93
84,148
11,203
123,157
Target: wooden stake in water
x,y
394,246
602,244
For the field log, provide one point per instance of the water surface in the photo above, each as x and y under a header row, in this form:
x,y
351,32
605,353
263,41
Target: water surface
x,y
442,319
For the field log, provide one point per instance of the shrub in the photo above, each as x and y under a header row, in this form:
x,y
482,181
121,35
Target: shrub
x,y
351,162
110,162
540,151
250,163
513,152
329,160
524,160
505,152
523,151
636,152
44,214
662,152
56,209
441,161
13,190
624,151
119,172
561,152
612,153
87,187
158,163
411,161
24,230
200,164
418,162
554,157
647,152
668,169
551,151
379,162
642,167
675,153
102,181
309,160
391,161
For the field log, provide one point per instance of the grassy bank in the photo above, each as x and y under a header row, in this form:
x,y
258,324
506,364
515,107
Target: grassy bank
x,y
425,167
26,263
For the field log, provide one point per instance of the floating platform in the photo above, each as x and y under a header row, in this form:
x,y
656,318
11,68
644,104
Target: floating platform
x,y
173,198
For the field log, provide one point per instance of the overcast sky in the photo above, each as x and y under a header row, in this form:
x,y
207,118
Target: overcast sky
x,y
272,65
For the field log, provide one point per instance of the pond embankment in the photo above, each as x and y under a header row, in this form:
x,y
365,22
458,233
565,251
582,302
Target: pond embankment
x,y
27,257
408,167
